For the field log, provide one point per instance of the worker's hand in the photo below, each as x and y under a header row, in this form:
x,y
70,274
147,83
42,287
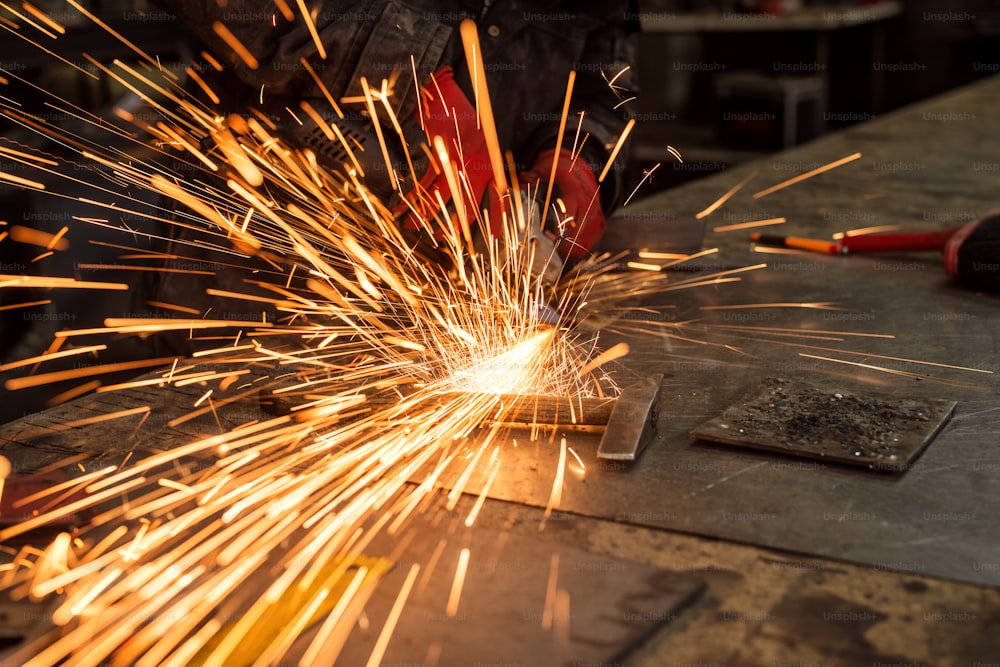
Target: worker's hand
x,y
445,112
577,222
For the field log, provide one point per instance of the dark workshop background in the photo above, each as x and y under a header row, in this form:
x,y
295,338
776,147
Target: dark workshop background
x,y
743,82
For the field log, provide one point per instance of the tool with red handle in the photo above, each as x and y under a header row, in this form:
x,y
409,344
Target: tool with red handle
x,y
971,252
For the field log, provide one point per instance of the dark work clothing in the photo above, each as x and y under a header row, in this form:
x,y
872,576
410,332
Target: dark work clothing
x,y
528,49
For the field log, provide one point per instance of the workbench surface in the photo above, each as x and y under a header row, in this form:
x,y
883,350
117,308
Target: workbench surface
x,y
805,562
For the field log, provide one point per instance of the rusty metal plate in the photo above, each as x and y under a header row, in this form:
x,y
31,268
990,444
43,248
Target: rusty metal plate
x,y
883,433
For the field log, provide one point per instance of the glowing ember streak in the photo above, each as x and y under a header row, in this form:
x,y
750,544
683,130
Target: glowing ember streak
x,y
555,497
390,622
379,336
470,520
559,142
724,198
551,589
614,151
818,305
52,355
455,597
17,180
807,175
4,472
311,25
749,225
76,373
235,44
484,107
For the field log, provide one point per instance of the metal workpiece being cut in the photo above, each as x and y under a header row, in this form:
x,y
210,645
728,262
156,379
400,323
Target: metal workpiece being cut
x,y
628,421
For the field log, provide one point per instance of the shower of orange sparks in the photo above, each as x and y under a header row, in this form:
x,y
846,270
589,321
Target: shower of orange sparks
x,y
466,332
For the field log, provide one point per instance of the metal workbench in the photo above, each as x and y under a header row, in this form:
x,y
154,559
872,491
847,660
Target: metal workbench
x,y
804,562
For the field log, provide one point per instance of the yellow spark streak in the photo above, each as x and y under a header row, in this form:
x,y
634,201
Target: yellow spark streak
x,y
17,180
28,157
649,254
645,177
559,142
484,107
43,17
28,20
140,325
70,508
474,512
65,613
390,622
724,198
643,267
76,373
616,352
807,175
816,305
551,589
210,59
312,28
370,103
235,44
322,87
617,149
861,231
455,597
712,278
97,21
748,225
173,306
187,144
177,193
891,371
185,654
799,331
209,377
56,488
70,394
5,469
322,645
201,84
555,497
775,250
205,396
53,355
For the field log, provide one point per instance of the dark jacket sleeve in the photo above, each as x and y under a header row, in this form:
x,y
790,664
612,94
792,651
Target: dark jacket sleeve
x,y
361,39
592,39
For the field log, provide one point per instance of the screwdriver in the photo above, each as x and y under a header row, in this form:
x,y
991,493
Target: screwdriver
x,y
971,252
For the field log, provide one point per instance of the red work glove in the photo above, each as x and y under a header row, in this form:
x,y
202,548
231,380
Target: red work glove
x,y
577,229
445,112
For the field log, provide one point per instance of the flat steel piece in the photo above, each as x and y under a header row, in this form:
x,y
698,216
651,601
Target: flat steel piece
x,y
632,422
879,432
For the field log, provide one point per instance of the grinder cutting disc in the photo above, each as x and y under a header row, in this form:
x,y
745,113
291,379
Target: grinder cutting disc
x,y
880,432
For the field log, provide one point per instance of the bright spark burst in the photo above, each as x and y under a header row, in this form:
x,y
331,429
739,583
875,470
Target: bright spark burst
x,y
370,336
